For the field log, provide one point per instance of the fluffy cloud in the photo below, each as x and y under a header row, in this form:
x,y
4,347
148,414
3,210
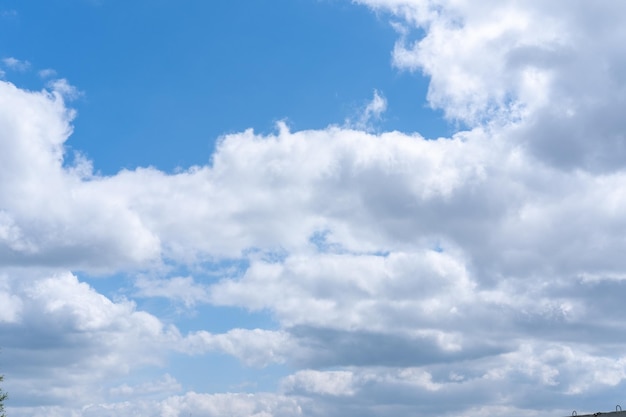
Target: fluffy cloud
x,y
553,66
65,338
369,250
50,214
62,340
253,347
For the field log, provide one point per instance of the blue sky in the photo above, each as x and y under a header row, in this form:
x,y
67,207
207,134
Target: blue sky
x,y
162,84
312,208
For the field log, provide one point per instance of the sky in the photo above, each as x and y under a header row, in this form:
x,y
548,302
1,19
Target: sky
x,y
312,208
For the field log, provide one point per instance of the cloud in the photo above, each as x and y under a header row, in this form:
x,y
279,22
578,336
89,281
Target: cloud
x,y
371,113
370,250
64,338
210,405
33,129
255,347
506,62
181,289
47,73
335,383
166,383
62,87
16,64
10,304
63,341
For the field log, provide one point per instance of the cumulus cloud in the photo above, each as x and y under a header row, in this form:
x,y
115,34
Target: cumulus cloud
x,y
392,246
62,340
65,338
33,129
255,347
554,65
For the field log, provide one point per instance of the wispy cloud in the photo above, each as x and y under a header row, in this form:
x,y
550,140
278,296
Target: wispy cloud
x,y
47,73
178,289
16,64
370,114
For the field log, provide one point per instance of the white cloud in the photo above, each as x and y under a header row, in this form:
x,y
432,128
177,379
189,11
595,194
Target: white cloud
x,y
166,383
349,291
502,61
210,405
47,73
181,289
335,383
33,129
16,64
394,246
64,343
62,87
260,405
372,113
391,246
254,347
